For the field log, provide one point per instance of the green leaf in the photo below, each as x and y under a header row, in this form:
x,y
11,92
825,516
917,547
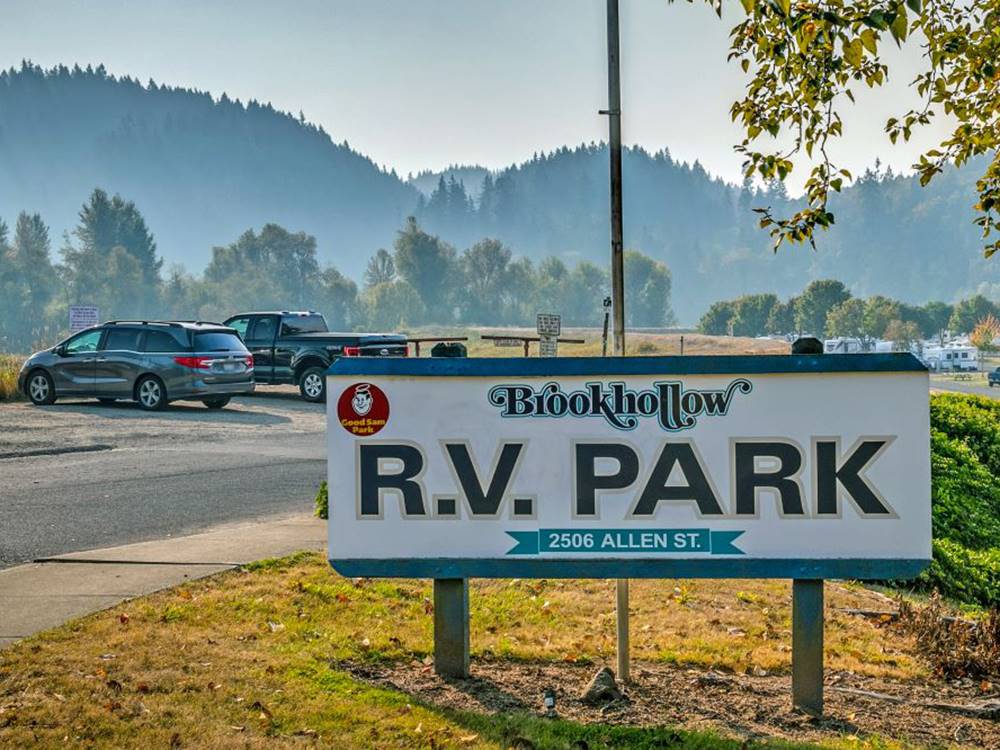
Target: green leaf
x,y
899,28
786,7
853,53
913,5
748,6
870,41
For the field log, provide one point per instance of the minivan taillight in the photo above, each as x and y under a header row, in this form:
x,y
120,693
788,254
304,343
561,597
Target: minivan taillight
x,y
195,363
249,359
352,351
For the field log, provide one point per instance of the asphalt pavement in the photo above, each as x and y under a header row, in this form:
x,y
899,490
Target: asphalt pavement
x,y
78,476
964,386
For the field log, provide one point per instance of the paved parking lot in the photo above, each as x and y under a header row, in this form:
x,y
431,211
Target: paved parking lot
x,y
78,475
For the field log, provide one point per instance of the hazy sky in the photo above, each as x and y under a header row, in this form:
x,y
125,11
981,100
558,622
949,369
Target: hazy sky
x,y
419,84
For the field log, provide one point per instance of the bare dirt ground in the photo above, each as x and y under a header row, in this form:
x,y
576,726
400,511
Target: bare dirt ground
x,y
749,706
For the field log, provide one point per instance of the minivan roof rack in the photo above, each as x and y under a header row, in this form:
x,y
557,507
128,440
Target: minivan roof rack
x,y
143,323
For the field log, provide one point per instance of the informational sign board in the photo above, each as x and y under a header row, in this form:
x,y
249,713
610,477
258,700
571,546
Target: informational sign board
x,y
548,346
508,342
801,466
83,316
548,325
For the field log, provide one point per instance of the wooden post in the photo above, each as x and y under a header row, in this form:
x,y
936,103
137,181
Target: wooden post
x,y
807,645
527,343
451,627
621,620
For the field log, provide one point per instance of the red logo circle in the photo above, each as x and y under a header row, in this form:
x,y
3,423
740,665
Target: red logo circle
x,y
363,409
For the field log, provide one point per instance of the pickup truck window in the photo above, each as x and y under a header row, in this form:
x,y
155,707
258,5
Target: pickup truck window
x,y
240,326
292,326
263,329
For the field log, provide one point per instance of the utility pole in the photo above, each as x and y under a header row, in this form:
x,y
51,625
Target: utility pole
x,y
614,113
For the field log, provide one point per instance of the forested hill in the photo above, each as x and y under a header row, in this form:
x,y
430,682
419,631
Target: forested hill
x,y
201,170
891,236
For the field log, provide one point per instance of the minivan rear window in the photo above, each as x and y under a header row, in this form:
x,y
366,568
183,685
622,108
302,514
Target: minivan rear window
x,y
163,341
218,341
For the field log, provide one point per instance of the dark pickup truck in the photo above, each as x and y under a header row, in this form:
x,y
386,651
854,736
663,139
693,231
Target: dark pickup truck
x,y
994,378
297,347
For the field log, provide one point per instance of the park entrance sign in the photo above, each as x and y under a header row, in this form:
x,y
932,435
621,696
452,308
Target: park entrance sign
x,y
801,466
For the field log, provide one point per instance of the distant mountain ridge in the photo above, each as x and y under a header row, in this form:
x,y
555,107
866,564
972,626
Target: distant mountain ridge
x,y
203,170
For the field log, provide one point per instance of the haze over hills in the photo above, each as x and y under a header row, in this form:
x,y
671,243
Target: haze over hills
x,y
203,170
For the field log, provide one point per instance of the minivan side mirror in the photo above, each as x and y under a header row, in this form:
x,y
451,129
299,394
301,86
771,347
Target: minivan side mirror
x,y
60,351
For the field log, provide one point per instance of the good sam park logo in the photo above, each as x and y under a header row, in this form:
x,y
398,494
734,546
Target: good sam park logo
x,y
363,409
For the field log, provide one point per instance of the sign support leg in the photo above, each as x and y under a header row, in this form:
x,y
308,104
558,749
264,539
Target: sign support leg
x,y
621,615
451,627
807,645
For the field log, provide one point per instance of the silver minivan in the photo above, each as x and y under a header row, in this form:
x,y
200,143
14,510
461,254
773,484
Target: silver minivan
x,y
150,362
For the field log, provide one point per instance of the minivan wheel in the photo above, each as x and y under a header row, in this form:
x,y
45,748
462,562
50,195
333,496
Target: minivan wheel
x,y
312,385
216,403
151,394
41,390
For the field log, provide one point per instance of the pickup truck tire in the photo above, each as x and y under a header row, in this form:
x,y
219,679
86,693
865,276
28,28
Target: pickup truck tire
x,y
312,385
216,403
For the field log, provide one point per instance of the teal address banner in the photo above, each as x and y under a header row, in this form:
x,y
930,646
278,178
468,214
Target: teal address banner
x,y
635,541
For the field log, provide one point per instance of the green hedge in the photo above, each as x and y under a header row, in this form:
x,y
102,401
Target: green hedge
x,y
965,498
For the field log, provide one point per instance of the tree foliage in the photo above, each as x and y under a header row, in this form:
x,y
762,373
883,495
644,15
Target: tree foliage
x,y
805,59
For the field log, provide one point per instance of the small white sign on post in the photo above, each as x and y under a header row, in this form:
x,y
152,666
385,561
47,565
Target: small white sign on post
x,y
548,346
507,342
548,324
83,316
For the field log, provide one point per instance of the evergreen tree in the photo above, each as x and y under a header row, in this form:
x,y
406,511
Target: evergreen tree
x,y
381,269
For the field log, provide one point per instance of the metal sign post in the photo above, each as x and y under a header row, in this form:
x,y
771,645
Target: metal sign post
x,y
614,113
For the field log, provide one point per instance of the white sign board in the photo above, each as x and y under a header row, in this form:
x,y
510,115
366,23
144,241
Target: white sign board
x,y
508,342
548,346
83,316
548,325
771,466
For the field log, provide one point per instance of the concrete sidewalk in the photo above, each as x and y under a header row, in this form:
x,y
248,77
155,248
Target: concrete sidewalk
x,y
47,593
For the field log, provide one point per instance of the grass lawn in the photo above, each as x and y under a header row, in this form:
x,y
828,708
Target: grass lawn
x,y
256,658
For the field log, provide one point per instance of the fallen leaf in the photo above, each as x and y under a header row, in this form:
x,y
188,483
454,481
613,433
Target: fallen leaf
x,y
236,728
142,687
468,739
114,685
419,729
343,598
123,618
184,594
275,626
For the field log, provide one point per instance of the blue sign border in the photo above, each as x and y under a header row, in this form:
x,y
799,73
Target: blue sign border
x,y
761,364
451,567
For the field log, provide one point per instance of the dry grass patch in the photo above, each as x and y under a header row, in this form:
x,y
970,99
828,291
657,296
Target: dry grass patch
x,y
10,366
251,658
648,344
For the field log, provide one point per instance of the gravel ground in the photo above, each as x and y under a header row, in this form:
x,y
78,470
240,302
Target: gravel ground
x,y
80,423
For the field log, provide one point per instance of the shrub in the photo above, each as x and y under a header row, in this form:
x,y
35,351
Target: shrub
x,y
322,501
10,365
965,495
975,420
965,498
